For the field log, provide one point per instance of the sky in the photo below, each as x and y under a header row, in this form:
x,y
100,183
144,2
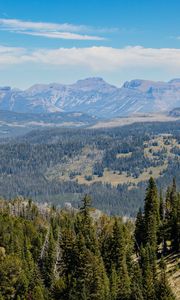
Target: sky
x,y
67,40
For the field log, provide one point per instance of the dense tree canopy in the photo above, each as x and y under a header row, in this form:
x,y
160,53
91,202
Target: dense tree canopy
x,y
26,162
46,253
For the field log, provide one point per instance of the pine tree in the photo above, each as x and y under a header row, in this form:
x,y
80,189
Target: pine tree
x,y
162,225
113,284
175,218
87,278
161,207
168,205
106,248
164,291
59,289
99,289
136,283
67,251
149,291
86,204
49,261
118,247
151,214
172,217
12,278
139,230
82,276
85,225
37,293
124,283
118,258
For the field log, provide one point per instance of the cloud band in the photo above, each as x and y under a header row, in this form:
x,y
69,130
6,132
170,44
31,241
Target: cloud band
x,y
94,58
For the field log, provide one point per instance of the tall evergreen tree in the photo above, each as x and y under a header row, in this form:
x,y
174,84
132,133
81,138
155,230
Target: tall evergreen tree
x,y
136,283
161,207
113,284
49,260
164,291
162,226
118,258
151,214
149,290
175,218
139,230
84,224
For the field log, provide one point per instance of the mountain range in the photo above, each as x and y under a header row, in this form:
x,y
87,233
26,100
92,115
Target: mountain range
x,y
94,96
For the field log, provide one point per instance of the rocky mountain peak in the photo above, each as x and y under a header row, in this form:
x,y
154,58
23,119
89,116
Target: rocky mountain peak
x,y
95,97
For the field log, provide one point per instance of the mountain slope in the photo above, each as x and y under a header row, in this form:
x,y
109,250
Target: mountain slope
x,y
175,112
94,96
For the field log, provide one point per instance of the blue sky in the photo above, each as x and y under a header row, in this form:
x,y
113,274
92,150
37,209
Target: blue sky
x,y
63,41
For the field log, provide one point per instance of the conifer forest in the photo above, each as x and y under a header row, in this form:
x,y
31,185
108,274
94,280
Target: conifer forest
x,y
90,150
69,253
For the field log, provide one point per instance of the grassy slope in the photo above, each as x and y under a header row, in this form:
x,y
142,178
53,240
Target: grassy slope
x,y
173,272
83,164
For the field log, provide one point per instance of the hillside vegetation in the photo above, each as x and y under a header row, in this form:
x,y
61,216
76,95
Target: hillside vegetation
x,y
112,165
46,253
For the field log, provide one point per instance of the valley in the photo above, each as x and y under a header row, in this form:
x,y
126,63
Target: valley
x,y
15,124
58,142
59,165
89,150
137,118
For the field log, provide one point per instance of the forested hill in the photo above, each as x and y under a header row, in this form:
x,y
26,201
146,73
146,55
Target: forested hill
x,y
112,165
81,254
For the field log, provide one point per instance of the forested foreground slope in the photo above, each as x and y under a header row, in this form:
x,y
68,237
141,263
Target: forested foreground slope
x,y
83,254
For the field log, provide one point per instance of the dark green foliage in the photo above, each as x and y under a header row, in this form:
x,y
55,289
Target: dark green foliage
x,y
139,230
82,270
175,218
137,283
161,207
154,229
163,289
46,253
19,275
151,214
148,265
48,260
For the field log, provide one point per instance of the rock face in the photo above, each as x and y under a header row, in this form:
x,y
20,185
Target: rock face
x,y
94,96
175,112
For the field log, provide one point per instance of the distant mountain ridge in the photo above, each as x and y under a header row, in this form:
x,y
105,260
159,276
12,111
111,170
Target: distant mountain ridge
x,y
94,96
175,112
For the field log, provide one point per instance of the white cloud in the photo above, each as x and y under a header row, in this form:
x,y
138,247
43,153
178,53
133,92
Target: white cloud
x,y
95,58
11,55
16,24
63,35
49,30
